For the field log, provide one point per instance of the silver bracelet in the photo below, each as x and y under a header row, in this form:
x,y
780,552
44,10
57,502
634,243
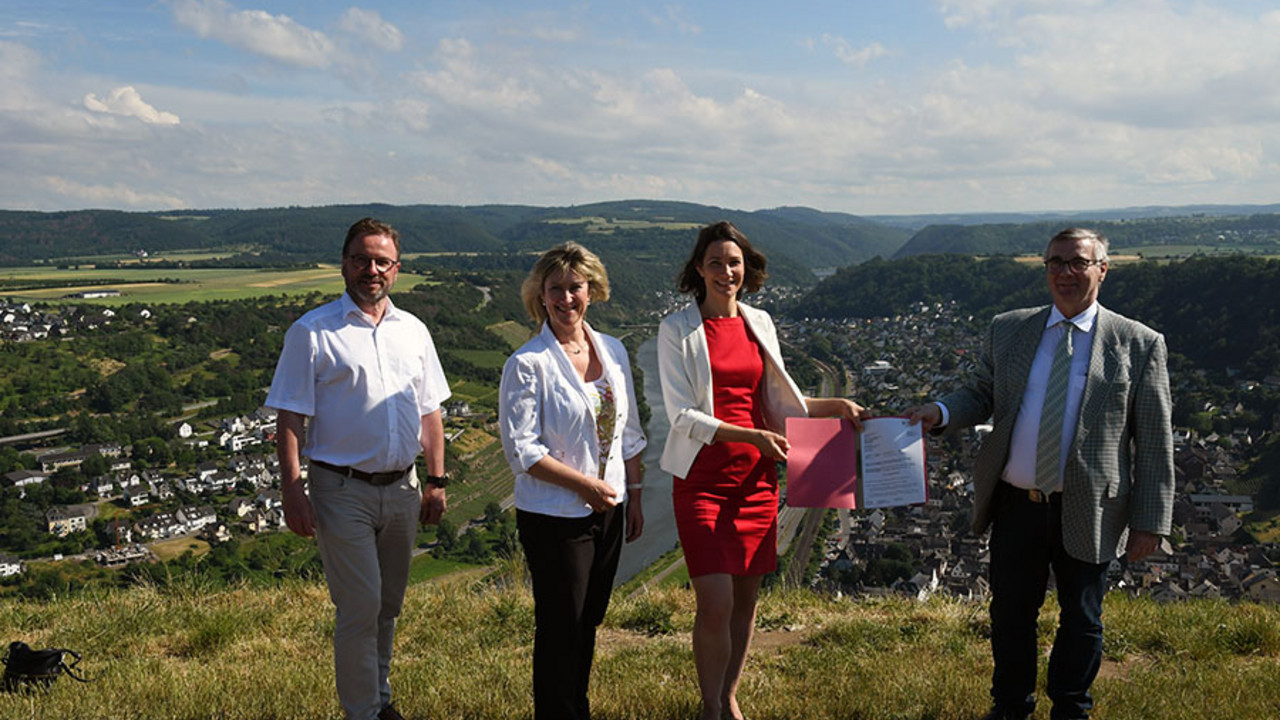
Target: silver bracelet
x,y
635,486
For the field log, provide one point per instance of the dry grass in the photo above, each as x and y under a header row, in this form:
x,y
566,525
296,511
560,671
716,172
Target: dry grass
x,y
464,645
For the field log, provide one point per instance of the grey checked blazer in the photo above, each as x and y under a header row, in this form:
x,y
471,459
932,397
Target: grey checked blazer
x,y
1119,470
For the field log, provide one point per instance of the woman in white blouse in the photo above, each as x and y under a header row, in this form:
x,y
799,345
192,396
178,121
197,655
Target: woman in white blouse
x,y
572,435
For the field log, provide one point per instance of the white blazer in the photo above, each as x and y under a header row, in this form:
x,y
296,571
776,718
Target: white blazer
x,y
544,409
684,367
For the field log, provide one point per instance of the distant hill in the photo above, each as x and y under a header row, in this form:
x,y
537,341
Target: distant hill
x,y
915,222
797,239
1220,312
1258,233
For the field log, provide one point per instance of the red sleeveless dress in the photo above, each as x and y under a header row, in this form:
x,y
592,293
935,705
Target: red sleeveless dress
x,y
726,510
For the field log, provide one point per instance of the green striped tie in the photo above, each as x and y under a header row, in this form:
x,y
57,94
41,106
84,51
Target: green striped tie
x,y
1049,443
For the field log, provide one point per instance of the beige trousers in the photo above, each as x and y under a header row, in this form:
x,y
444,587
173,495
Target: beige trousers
x,y
366,535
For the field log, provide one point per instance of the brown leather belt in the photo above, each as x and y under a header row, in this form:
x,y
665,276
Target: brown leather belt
x,y
377,478
1036,495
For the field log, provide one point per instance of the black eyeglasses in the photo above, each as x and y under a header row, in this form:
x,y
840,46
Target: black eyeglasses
x,y
381,264
1076,264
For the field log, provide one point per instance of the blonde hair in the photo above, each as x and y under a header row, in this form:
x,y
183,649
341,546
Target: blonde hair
x,y
567,257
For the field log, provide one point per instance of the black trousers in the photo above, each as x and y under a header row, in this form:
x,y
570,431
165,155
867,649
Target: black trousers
x,y
1026,541
572,562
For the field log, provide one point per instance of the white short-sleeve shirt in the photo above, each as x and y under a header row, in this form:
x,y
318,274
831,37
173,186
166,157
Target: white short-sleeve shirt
x,y
364,386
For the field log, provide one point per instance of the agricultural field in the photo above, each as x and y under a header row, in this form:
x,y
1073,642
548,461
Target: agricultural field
x,y
607,226
170,549
476,393
482,358
514,333
170,285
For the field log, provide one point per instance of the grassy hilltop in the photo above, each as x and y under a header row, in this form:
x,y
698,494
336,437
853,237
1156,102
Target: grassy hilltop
x,y
464,647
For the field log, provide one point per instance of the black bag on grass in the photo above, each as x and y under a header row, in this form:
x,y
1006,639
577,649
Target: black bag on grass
x,y
25,668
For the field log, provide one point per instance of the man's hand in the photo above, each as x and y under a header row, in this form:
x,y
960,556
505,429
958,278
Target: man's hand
x,y
434,504
298,513
1141,544
929,414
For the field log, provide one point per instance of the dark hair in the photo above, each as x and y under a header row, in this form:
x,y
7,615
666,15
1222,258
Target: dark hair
x,y
569,257
753,279
369,226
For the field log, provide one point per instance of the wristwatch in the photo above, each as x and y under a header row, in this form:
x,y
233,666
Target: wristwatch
x,y
438,480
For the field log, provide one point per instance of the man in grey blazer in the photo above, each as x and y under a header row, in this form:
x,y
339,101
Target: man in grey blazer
x,y
1063,493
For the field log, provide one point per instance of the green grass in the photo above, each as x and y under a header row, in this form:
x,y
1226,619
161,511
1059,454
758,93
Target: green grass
x,y
424,567
482,358
463,649
648,579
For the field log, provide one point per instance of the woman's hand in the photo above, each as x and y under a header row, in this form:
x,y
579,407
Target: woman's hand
x,y
838,408
771,444
635,516
599,495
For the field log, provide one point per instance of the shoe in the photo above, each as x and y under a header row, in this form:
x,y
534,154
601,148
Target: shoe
x,y
389,713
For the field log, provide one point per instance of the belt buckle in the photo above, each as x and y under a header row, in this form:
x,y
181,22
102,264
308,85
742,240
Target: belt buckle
x,y
1037,495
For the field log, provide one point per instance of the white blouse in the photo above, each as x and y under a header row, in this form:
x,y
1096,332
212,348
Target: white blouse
x,y
545,408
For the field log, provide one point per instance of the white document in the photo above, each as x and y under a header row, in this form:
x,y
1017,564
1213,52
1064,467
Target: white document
x,y
893,465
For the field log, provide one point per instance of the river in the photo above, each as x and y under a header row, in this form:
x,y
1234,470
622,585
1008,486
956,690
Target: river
x,y
659,524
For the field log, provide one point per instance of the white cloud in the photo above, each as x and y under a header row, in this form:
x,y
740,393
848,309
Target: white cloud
x,y
677,16
368,25
415,115
17,63
116,195
463,80
552,34
848,55
674,18
126,101
274,36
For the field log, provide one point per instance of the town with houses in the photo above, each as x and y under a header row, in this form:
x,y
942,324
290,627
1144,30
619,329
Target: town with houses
x,y
890,365
20,322
895,363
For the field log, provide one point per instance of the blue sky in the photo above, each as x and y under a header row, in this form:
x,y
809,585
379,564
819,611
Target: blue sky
x,y
863,107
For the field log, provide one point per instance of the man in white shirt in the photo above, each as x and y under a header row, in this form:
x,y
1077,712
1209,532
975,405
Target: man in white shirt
x,y
1080,456
365,380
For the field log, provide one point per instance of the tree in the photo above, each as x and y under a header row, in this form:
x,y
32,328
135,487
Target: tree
x,y
95,465
446,535
474,549
492,513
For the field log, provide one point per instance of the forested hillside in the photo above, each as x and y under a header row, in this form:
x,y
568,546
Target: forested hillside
x,y
1258,232
1218,312
797,239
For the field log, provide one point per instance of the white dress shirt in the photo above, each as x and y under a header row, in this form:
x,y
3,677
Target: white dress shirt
x,y
364,386
545,408
1020,469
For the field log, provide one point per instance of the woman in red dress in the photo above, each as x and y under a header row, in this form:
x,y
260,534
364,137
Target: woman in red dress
x,y
727,395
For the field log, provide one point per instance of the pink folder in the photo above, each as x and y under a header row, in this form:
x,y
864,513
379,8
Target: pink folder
x,y
822,464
